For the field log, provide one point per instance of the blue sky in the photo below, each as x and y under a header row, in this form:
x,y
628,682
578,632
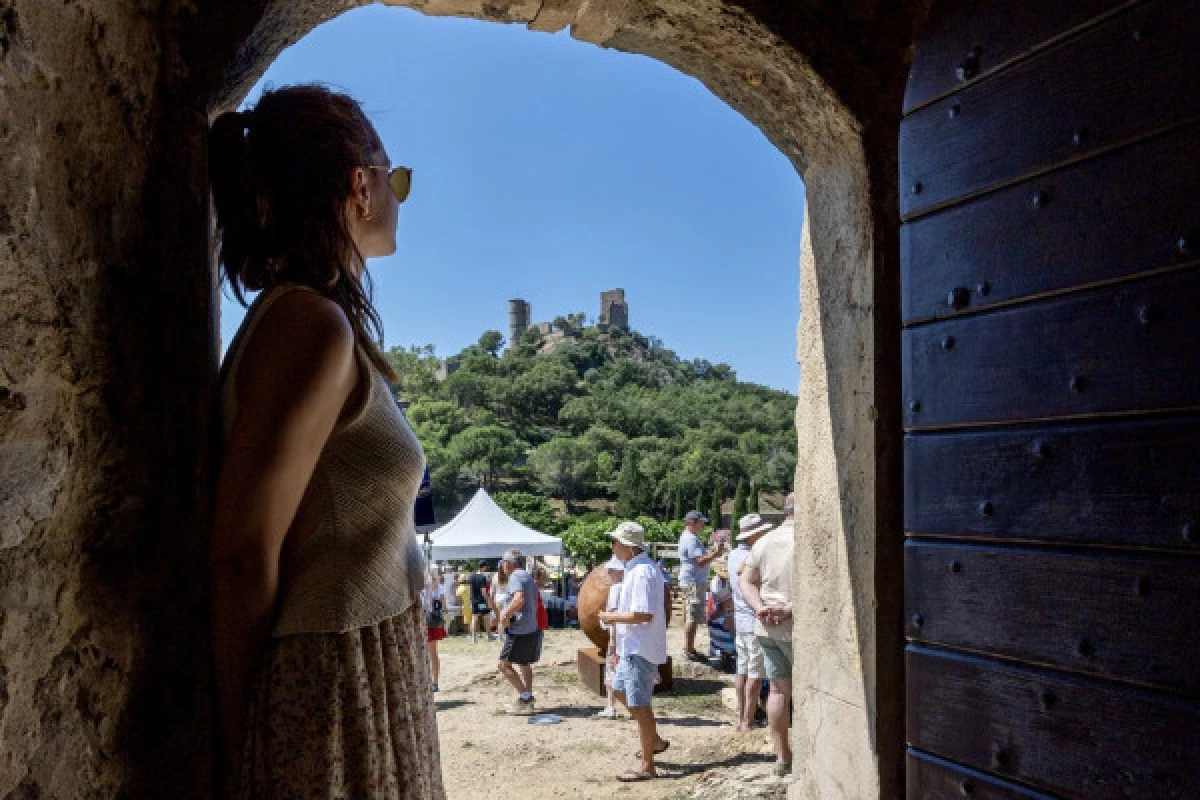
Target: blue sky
x,y
552,170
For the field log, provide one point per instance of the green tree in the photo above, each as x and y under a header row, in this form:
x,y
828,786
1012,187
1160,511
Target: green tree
x,y
698,503
586,538
781,469
633,496
752,505
417,368
444,471
436,421
540,392
714,515
491,342
485,453
677,511
739,507
565,466
531,510
470,389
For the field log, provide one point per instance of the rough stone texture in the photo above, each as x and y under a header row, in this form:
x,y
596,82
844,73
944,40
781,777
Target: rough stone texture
x,y
108,357
100,606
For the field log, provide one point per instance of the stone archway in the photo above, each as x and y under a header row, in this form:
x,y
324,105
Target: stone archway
x,y
110,361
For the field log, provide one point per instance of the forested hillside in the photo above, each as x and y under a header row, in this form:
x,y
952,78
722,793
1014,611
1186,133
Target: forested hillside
x,y
603,416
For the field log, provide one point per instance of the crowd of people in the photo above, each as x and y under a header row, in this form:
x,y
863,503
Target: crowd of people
x,y
746,601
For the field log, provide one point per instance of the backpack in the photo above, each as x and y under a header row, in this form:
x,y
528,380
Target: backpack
x,y
435,617
543,619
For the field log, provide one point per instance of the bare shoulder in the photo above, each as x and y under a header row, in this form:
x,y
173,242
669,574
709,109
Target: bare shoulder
x,y
303,339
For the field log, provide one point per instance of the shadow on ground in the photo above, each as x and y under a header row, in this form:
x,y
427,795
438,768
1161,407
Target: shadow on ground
x,y
691,722
448,705
672,770
690,687
571,712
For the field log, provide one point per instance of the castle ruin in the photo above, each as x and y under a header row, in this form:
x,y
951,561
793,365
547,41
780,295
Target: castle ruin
x,y
614,311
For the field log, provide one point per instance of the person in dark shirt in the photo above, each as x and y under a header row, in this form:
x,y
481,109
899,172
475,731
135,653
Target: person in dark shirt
x,y
480,604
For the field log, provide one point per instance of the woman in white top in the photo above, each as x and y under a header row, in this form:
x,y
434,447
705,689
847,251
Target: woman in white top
x,y
616,571
433,598
499,597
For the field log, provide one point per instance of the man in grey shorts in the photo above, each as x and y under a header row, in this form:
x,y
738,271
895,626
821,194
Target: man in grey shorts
x,y
522,639
693,580
767,587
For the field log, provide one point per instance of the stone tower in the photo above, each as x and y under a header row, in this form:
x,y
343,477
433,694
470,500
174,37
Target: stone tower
x,y
518,320
614,311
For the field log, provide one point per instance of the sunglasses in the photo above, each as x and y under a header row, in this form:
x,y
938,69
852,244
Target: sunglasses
x,y
400,179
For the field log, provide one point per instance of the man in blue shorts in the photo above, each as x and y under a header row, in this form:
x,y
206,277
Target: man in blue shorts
x,y
641,642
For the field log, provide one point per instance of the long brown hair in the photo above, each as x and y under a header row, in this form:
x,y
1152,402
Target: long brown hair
x,y
281,175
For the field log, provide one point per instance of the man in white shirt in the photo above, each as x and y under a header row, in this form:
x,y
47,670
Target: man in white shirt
x,y
641,642
750,671
767,585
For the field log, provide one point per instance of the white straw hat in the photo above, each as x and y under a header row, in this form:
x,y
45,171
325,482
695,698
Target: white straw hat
x,y
629,533
752,525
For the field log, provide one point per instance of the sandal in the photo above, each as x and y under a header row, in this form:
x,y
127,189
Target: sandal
x,y
657,751
633,776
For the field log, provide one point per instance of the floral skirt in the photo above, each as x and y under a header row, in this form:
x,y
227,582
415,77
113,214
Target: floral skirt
x,y
343,715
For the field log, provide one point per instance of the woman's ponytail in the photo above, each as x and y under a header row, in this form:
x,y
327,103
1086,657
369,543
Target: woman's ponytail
x,y
240,223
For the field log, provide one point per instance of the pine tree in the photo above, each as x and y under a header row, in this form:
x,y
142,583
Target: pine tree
x,y
752,506
739,507
714,516
628,487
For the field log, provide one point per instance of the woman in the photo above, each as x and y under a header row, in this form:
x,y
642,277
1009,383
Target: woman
x,y
722,643
318,635
499,597
616,573
434,601
462,593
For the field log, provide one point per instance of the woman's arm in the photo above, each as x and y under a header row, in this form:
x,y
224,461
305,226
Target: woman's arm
x,y
293,382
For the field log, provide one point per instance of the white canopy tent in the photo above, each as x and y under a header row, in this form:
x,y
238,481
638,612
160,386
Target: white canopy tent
x,y
483,530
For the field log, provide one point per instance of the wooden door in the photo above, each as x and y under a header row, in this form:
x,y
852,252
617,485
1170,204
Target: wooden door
x,y
1050,180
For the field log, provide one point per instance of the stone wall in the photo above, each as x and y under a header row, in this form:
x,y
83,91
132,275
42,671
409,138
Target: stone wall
x,y
108,357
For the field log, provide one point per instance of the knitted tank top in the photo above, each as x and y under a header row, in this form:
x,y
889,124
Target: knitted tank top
x,y
351,556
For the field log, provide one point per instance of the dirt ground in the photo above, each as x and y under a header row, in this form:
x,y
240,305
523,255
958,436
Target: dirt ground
x,y
486,753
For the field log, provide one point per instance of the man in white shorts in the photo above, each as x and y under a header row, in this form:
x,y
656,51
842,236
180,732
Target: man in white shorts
x,y
747,681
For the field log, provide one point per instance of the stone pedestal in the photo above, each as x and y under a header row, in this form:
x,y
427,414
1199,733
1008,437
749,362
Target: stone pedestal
x,y
589,661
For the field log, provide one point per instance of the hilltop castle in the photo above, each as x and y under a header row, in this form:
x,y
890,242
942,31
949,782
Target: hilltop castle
x,y
614,313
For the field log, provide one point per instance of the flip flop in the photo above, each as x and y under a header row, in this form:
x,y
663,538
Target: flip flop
x,y
633,776
666,745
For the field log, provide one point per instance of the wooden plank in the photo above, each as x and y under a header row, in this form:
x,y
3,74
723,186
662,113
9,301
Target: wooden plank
x,y
1131,75
1118,616
1077,737
1092,222
982,35
932,778
1131,347
1125,484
